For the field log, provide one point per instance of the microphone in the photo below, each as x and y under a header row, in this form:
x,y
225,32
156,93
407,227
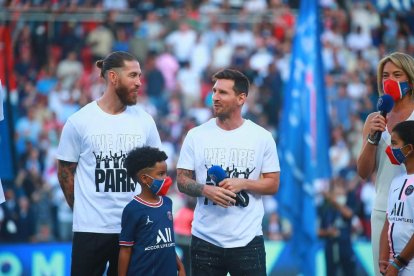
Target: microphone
x,y
217,174
384,105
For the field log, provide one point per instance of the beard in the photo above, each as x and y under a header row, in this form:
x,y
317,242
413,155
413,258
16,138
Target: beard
x,y
223,113
125,96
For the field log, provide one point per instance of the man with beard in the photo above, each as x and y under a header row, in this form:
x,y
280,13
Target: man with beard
x,y
227,233
109,127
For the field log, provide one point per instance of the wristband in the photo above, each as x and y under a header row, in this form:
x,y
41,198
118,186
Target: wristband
x,y
401,260
394,264
371,141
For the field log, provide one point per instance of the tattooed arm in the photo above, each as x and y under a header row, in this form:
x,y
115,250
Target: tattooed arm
x,y
187,184
66,176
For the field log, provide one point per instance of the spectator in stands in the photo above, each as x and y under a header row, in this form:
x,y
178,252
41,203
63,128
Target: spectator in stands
x,y
335,228
100,40
69,70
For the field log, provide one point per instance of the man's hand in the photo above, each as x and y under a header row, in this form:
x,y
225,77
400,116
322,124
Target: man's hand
x,y
219,195
233,184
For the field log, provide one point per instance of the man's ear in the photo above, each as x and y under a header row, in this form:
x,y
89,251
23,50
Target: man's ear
x,y
241,98
113,76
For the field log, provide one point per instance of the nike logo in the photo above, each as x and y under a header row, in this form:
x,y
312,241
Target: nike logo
x,y
396,190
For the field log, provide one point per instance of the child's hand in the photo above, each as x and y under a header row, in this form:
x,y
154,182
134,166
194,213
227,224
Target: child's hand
x,y
383,265
391,271
181,270
180,266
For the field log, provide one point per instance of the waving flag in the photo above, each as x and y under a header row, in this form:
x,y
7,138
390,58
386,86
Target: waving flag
x,y
7,83
304,142
398,5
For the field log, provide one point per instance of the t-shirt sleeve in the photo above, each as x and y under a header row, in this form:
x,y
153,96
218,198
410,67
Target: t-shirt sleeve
x,y
153,135
69,148
128,224
186,159
270,158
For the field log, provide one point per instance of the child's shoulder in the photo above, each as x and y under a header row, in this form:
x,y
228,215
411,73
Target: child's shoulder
x,y
133,203
166,199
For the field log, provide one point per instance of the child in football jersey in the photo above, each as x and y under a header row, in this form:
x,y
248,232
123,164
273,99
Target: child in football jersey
x,y
147,245
397,237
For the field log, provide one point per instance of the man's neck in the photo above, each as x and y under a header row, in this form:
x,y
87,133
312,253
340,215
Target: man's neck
x,y
229,123
111,104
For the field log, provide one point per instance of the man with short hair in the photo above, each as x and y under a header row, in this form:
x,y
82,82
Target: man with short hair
x,y
227,233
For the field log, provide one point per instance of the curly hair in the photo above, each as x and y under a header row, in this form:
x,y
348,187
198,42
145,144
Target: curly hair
x,y
143,158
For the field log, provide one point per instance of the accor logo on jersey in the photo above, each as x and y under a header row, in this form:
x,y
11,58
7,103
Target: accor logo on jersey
x,y
110,172
397,213
164,240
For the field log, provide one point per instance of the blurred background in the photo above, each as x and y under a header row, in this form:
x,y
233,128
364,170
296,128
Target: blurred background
x,y
47,54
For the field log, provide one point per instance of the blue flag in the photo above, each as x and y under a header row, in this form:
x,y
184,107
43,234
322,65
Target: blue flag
x,y
6,161
397,5
304,142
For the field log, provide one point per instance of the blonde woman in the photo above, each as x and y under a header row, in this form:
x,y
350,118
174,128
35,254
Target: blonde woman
x,y
395,76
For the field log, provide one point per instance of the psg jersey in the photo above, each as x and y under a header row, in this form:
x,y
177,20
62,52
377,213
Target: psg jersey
x,y
148,228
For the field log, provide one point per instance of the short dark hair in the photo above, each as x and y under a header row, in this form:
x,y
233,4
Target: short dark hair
x,y
405,131
241,82
142,158
114,60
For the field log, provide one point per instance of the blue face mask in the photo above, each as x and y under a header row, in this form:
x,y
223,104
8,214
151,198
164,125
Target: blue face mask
x,y
160,186
396,156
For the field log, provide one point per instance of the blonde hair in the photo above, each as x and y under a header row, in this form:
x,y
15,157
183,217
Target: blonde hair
x,y
403,61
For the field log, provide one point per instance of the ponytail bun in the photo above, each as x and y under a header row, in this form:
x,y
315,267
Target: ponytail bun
x,y
99,64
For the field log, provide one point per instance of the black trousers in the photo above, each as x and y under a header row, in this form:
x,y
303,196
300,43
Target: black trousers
x,y
210,260
92,252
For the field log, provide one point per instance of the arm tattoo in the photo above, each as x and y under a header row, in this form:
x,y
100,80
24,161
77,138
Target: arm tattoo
x,y
187,184
66,176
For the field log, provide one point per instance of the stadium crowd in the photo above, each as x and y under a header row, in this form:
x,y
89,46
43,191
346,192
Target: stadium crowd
x,y
179,45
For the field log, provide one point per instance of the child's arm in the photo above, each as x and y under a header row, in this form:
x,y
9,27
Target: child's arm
x,y
124,258
403,259
180,266
384,254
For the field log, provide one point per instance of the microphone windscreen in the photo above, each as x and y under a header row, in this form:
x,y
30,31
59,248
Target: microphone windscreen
x,y
216,173
385,103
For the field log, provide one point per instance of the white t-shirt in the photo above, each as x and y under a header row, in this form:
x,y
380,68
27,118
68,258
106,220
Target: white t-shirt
x,y
99,143
245,152
400,213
